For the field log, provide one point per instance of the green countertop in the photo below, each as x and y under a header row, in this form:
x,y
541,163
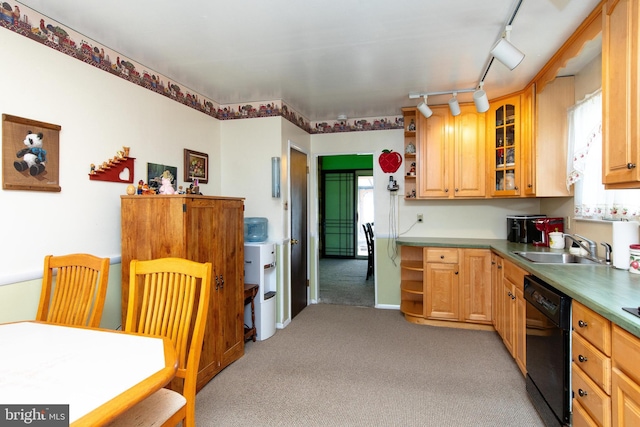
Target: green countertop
x,y
603,289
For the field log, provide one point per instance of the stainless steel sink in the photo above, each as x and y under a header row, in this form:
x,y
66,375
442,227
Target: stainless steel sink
x,y
555,258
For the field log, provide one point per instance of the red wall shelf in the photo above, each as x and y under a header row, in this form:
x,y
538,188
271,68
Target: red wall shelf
x,y
112,172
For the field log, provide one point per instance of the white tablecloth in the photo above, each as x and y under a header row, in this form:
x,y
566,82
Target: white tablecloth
x,y
49,364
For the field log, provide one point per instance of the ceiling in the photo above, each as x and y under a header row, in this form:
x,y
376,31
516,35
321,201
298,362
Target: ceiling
x,y
325,58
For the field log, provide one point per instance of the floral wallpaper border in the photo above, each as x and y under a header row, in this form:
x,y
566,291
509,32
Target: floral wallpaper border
x,y
29,23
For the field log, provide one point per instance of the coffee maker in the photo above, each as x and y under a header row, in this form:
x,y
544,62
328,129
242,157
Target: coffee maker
x,y
546,226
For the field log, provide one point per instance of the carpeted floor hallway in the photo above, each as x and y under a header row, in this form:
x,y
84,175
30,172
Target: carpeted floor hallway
x,y
343,281
338,365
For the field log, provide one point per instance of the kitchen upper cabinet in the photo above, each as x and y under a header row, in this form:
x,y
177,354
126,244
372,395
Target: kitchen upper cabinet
x,y
620,97
410,152
451,154
504,141
549,148
528,146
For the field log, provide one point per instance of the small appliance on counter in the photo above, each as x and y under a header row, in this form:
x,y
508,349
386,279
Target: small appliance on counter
x,y
546,226
522,228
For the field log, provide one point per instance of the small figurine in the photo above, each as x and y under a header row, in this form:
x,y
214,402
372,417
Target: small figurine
x,y
412,126
166,187
93,169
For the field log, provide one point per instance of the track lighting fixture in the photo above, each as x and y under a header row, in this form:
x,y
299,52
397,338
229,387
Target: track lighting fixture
x,y
505,52
453,104
481,106
424,108
480,99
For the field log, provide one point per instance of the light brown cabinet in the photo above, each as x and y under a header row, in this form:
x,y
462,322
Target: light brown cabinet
x,y
451,154
503,136
620,104
550,145
410,152
476,286
511,312
446,284
625,390
203,229
412,281
591,365
442,284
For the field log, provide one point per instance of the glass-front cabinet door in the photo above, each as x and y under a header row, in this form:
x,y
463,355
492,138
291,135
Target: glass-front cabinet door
x,y
505,143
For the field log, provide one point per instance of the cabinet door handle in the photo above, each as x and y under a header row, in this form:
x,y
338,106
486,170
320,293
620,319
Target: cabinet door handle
x,y
515,188
631,165
530,185
582,323
499,267
510,294
441,256
221,282
513,296
456,273
456,190
581,358
581,392
446,190
217,283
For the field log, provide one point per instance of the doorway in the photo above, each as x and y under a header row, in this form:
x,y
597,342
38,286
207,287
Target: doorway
x,y
345,202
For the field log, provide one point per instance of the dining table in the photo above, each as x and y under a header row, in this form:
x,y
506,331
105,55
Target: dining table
x,y
98,373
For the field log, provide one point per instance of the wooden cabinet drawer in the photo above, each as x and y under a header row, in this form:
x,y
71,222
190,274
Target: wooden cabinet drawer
x,y
514,274
591,397
626,353
593,327
592,362
580,417
445,255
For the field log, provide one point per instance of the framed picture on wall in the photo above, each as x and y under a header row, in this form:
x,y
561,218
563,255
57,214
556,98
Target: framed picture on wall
x,y
196,166
30,154
155,173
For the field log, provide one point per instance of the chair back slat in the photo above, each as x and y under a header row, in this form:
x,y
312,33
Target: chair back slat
x,y
74,289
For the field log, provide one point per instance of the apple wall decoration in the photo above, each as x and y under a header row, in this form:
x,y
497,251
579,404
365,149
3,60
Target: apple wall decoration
x,y
389,161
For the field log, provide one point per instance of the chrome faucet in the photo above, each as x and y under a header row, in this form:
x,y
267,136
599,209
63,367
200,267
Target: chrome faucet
x,y
593,246
592,250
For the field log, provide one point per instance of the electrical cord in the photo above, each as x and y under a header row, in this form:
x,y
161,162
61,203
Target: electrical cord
x,y
392,247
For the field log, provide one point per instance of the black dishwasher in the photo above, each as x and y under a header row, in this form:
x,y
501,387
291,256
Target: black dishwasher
x,y
548,328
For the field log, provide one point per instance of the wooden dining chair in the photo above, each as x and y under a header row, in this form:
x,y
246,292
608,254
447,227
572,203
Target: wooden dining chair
x,y
169,297
368,234
74,288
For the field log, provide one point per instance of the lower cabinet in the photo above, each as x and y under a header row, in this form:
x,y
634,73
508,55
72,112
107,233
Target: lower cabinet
x,y
625,387
510,322
590,366
446,284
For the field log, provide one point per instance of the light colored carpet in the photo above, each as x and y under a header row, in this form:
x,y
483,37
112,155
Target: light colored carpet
x,y
343,281
338,365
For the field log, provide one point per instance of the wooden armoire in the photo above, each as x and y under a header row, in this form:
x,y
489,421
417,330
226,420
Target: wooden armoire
x,y
198,228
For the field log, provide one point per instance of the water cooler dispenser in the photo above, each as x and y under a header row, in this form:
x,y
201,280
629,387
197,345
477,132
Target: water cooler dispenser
x,y
260,269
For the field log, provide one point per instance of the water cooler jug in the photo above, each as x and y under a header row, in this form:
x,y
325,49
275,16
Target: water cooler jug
x,y
260,269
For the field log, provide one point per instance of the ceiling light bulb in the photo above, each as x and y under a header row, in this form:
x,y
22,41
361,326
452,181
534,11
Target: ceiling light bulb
x,y
454,106
424,108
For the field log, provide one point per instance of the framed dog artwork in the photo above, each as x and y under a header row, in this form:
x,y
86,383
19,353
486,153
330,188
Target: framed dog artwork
x,y
30,154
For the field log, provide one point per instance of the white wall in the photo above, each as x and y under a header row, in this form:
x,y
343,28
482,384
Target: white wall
x,y
99,113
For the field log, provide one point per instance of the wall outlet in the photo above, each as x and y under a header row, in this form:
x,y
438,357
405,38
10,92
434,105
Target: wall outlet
x,y
420,217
